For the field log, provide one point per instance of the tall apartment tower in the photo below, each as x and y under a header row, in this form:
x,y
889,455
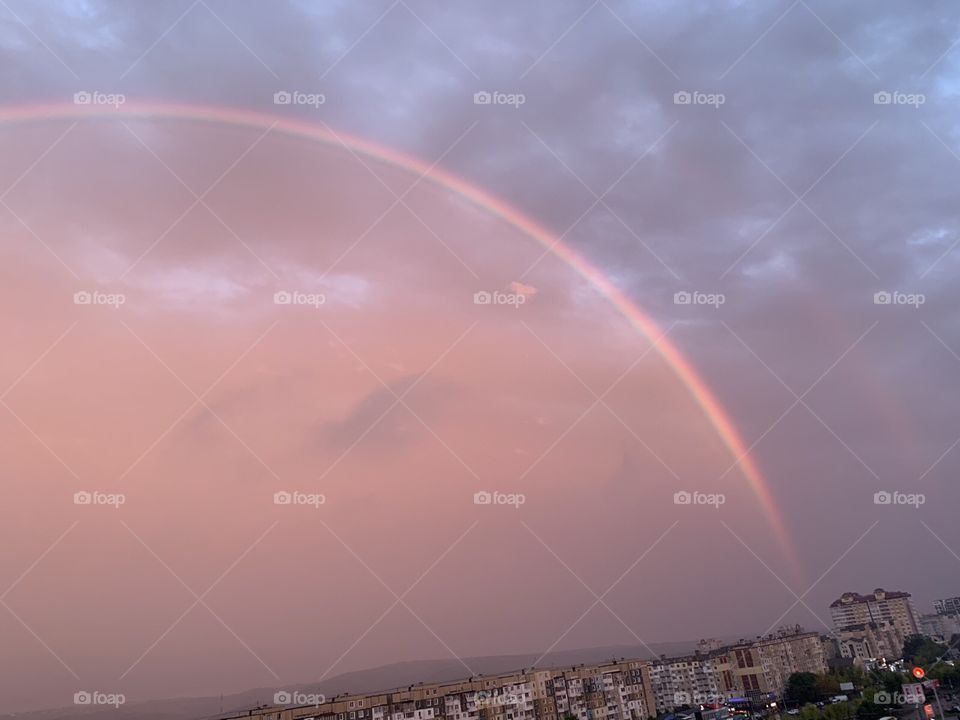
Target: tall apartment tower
x,y
881,607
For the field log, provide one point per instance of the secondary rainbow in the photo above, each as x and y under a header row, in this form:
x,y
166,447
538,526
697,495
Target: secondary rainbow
x,y
683,369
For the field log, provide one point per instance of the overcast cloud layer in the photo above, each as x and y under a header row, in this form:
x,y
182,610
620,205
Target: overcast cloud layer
x,y
790,167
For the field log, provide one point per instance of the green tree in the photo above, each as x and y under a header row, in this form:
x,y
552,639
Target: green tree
x,y
827,686
809,712
801,689
923,651
868,710
837,711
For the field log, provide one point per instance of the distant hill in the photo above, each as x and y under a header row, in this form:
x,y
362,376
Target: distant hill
x,y
385,677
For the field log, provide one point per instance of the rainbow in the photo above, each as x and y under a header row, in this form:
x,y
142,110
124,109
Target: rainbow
x,y
683,369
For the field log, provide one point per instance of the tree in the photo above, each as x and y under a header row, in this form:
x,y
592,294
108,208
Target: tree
x,y
923,651
868,710
801,689
827,686
809,712
837,711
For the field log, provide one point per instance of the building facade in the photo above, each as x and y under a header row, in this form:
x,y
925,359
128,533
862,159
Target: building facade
x,y
940,627
947,606
891,613
621,690
609,691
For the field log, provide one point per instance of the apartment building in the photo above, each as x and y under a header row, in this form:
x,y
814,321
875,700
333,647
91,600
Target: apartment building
x,y
882,606
870,641
756,670
700,679
947,606
762,667
609,691
940,627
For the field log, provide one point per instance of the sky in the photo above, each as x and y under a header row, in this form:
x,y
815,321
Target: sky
x,y
338,334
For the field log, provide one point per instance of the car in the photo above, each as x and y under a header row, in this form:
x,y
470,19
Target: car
x,y
793,711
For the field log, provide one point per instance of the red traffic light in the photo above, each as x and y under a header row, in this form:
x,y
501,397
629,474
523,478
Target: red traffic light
x,y
918,672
